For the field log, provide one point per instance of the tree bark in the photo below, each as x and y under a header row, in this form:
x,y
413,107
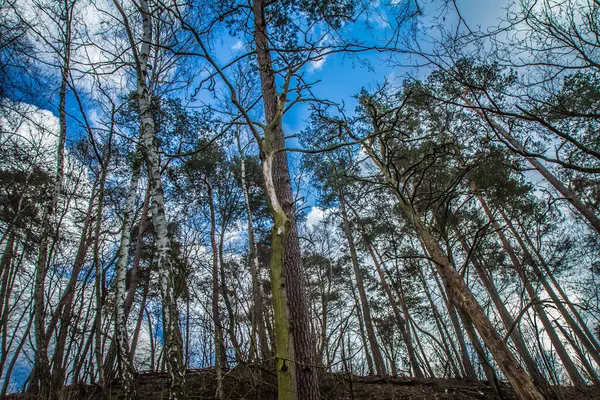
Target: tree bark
x,y
516,336
566,360
362,295
124,362
173,347
462,295
258,320
293,337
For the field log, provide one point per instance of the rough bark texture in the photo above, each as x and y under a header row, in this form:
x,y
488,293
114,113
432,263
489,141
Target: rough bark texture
x,y
275,170
285,362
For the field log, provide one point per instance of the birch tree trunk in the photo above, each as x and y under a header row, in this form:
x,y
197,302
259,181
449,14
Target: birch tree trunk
x,y
124,364
173,346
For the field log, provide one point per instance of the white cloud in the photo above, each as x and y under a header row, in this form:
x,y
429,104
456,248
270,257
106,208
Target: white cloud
x,y
33,128
315,216
317,64
237,45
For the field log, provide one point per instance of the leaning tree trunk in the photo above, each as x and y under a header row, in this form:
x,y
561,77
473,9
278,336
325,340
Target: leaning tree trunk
x,y
565,358
462,296
515,331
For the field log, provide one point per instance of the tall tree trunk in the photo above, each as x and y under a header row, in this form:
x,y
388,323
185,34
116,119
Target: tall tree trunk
x,y
362,294
134,276
124,365
462,295
42,378
99,348
173,347
404,330
258,319
294,339
219,356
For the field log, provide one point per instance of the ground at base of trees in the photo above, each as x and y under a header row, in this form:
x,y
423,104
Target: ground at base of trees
x,y
255,384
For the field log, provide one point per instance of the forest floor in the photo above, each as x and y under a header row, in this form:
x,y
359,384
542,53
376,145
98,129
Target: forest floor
x,y
248,384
